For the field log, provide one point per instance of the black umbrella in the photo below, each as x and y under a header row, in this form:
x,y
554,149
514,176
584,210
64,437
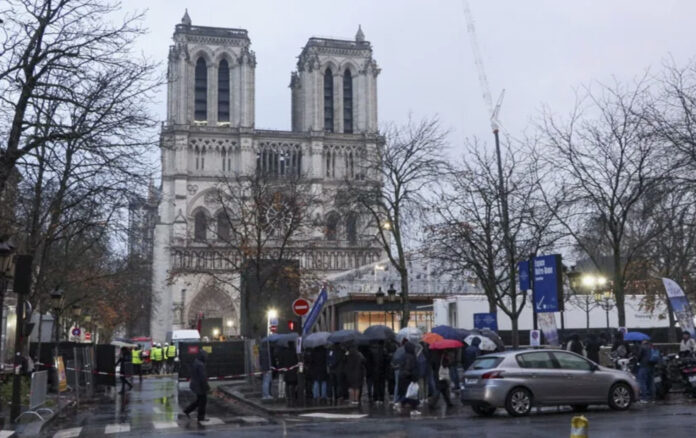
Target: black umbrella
x,y
493,336
379,333
281,340
343,336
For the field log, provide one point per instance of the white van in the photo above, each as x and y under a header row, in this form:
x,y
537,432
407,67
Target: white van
x,y
178,336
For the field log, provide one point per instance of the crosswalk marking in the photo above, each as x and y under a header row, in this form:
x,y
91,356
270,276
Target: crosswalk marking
x,y
212,421
6,433
332,416
117,428
73,432
251,419
164,424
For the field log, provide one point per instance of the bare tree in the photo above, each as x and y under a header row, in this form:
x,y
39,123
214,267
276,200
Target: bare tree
x,y
407,168
606,160
468,234
62,56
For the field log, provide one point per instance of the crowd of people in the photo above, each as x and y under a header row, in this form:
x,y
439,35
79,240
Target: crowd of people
x,y
401,373
131,361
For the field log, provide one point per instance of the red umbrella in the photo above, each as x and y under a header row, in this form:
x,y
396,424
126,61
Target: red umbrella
x,y
446,344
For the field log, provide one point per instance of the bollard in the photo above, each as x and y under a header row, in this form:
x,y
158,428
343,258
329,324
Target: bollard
x,y
578,427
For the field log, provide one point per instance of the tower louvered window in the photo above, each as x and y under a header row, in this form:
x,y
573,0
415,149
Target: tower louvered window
x,y
328,101
347,102
201,91
223,92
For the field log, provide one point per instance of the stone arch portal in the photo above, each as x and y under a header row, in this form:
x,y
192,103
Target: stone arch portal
x,y
217,310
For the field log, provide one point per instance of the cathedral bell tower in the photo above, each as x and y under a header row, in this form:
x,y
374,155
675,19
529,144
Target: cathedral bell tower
x,y
335,87
210,77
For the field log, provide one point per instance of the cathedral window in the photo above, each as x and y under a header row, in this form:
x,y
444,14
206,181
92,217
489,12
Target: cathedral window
x,y
332,226
201,91
199,154
226,158
328,101
223,92
352,228
330,163
277,162
347,102
223,227
350,165
200,227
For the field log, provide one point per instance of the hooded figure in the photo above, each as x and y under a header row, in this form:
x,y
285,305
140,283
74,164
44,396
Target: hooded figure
x,y
199,386
471,353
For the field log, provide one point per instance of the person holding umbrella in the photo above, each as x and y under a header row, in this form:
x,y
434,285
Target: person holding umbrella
x,y
471,353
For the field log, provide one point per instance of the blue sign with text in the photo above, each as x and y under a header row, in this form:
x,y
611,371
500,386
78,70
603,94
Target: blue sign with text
x,y
315,311
523,269
486,321
547,283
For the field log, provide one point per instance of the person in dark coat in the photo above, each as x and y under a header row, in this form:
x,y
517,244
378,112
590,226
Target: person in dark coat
x,y
390,347
592,345
287,358
199,386
575,345
379,374
335,361
369,370
471,353
355,373
408,369
318,373
126,368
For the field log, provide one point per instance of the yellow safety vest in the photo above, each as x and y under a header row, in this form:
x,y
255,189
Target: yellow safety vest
x,y
156,354
135,357
171,352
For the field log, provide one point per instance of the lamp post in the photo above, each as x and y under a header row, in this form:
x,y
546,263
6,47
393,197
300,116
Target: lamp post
x,y
6,272
380,296
57,305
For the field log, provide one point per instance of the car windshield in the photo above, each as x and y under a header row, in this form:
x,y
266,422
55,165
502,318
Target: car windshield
x,y
486,363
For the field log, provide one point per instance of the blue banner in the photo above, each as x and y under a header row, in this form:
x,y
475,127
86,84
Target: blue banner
x,y
523,269
680,305
547,283
315,311
486,321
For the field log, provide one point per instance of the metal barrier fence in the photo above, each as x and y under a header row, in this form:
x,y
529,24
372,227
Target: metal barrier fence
x,y
37,395
226,360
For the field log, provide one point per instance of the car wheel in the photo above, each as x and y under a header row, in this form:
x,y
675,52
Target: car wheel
x,y
579,408
518,402
483,410
620,397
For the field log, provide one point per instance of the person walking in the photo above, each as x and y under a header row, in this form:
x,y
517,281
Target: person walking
x,y
687,346
408,374
137,361
199,386
319,373
443,383
397,362
355,373
336,362
592,346
647,359
124,359
156,356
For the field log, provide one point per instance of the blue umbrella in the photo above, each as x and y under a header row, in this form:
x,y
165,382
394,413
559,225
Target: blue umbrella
x,y
636,336
448,332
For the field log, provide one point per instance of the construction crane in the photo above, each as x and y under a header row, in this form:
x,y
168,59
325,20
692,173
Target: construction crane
x,y
493,111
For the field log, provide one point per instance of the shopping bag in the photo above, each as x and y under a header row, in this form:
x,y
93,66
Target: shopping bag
x,y
412,391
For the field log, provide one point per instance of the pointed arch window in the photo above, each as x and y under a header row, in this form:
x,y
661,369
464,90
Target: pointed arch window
x,y
223,92
332,226
348,102
200,227
328,101
201,91
223,227
352,228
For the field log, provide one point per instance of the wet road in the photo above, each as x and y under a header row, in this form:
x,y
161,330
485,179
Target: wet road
x,y
152,408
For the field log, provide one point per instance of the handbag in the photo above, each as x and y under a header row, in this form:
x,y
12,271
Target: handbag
x,y
443,373
412,391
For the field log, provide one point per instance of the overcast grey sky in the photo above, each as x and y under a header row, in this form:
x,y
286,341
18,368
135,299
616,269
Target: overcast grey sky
x,y
538,50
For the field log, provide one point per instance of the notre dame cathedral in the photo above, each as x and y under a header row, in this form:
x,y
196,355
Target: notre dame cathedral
x,y
209,132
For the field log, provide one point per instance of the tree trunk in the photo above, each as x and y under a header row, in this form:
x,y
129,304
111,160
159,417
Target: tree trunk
x,y
672,331
406,309
619,288
587,320
515,332
492,306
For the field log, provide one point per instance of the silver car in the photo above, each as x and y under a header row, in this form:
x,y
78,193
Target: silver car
x,y
518,380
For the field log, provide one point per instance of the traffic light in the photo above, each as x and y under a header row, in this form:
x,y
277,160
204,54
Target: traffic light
x,y
291,325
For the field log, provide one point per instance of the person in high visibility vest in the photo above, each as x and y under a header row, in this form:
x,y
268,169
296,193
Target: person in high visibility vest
x,y
137,360
156,355
169,355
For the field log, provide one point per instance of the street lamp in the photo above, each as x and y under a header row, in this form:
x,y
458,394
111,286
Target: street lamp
x,y
57,305
380,296
392,292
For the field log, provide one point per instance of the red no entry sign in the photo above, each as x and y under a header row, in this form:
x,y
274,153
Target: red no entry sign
x,y
300,306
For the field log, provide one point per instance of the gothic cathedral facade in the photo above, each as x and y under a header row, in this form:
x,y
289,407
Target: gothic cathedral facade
x,y
209,133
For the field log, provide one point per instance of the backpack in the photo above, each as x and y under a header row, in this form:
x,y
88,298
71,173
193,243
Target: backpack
x,y
654,356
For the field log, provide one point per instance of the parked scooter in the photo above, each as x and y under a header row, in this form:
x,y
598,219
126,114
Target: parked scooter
x,y
688,373
661,380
